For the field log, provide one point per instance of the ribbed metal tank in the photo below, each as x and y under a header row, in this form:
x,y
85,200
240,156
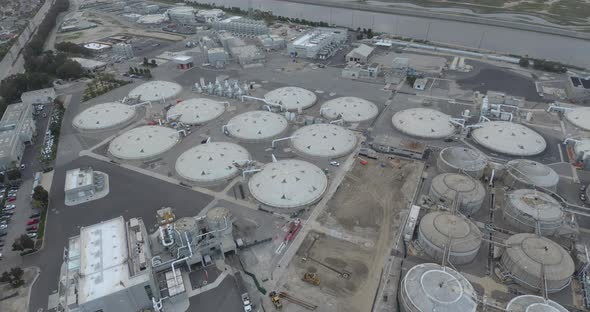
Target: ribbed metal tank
x,y
457,159
531,303
525,208
439,228
527,255
522,173
471,192
430,287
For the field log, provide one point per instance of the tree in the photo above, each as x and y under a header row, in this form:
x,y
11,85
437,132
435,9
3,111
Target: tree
x,y
40,194
524,62
69,47
154,64
37,204
14,174
14,277
69,69
369,33
145,61
23,242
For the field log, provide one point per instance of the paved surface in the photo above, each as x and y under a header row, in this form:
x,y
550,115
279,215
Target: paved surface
x,y
224,298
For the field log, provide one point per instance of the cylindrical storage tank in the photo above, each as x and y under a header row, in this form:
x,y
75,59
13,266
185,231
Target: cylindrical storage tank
x,y
218,219
523,173
526,255
256,126
525,208
430,287
509,138
471,192
439,228
424,123
323,141
462,160
532,303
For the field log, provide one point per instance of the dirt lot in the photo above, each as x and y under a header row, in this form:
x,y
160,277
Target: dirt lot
x,y
353,236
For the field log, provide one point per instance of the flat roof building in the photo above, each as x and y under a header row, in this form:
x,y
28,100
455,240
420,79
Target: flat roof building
x,y
41,96
319,43
84,184
16,130
360,54
90,65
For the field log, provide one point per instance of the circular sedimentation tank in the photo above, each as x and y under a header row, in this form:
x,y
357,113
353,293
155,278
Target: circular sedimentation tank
x,y
424,123
196,111
532,303
349,109
156,91
323,140
104,116
470,191
457,159
439,228
509,138
211,163
523,173
288,183
526,253
257,126
430,287
525,208
292,98
579,117
143,143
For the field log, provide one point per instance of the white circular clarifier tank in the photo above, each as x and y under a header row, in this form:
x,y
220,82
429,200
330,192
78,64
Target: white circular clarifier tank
x,y
211,163
349,109
323,140
288,183
579,117
196,111
143,143
423,123
292,98
156,91
104,116
509,138
256,126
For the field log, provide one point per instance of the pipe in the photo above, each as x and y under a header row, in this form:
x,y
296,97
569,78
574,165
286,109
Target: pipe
x,y
224,129
567,140
172,116
164,243
458,122
492,177
272,144
274,159
262,100
182,131
337,120
267,107
142,103
483,119
249,171
558,108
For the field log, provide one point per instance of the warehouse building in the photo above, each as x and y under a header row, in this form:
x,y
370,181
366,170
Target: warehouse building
x,y
360,54
319,43
16,131
84,184
241,26
578,88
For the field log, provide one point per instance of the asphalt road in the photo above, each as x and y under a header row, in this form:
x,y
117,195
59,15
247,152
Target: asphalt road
x,y
223,298
131,195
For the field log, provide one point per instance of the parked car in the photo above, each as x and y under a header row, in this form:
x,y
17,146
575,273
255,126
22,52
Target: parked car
x,y
35,215
335,163
11,199
33,221
32,228
32,235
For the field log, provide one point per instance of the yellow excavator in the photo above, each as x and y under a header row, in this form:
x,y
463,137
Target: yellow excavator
x,y
311,278
276,300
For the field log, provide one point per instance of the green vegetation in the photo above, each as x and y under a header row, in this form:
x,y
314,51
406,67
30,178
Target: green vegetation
x,y
41,196
101,84
14,277
72,48
23,243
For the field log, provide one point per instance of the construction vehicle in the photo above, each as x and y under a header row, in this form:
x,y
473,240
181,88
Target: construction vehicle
x,y
311,278
276,300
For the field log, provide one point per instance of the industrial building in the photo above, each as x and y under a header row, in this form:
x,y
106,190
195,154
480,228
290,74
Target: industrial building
x,y
212,163
247,54
319,43
208,15
458,159
423,123
183,61
524,173
292,98
144,143
155,91
509,138
196,111
97,47
182,15
440,229
123,50
531,261
458,189
104,116
360,71
395,145
241,26
89,65
256,126
272,42
432,287
360,54
581,151
349,109
41,96
85,184
217,57
323,141
532,211
578,87
16,131
288,183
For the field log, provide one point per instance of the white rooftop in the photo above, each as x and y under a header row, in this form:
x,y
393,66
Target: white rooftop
x,y
196,111
293,98
104,116
349,109
257,126
77,178
323,140
363,50
211,162
509,138
423,123
88,63
103,259
288,183
144,142
156,90
579,117
96,46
